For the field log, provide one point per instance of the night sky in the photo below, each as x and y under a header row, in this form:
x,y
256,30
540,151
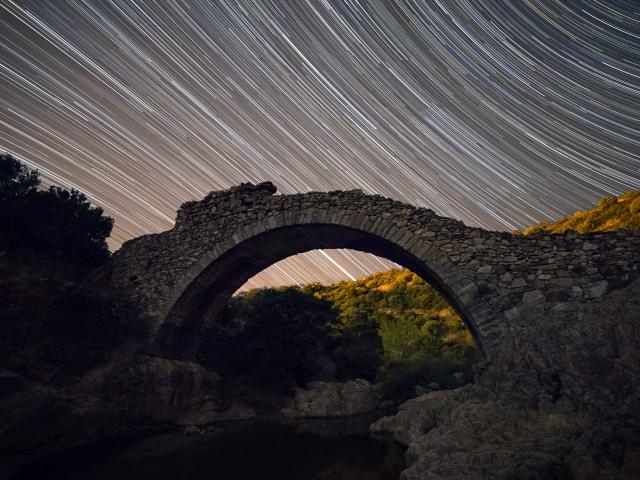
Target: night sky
x,y
497,113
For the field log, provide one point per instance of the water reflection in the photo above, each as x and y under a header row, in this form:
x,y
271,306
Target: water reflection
x,y
313,450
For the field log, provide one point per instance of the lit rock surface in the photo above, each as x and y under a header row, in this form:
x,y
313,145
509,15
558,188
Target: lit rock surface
x,y
163,390
333,399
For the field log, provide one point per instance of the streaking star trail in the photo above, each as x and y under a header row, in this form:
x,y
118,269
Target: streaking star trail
x,y
497,113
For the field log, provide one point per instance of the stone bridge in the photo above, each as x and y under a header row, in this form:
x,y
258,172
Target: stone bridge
x,y
498,282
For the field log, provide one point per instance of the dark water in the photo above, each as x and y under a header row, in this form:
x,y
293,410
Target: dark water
x,y
305,450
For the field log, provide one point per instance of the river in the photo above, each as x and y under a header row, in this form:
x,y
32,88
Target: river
x,y
311,449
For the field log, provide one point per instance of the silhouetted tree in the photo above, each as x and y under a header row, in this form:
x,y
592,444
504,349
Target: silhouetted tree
x,y
55,221
16,180
272,336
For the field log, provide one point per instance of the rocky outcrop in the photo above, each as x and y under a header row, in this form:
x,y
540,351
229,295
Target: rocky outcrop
x,y
159,389
560,402
39,419
333,399
462,434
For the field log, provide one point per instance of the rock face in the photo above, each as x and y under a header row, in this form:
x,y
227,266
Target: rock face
x,y
160,389
560,402
461,434
333,399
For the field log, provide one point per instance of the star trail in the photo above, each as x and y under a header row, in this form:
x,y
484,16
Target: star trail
x,y
497,113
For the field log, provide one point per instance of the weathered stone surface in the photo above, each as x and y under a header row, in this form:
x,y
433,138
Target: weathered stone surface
x,y
333,399
533,296
160,389
179,279
598,289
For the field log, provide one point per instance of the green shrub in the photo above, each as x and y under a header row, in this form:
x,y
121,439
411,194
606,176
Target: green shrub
x,y
273,337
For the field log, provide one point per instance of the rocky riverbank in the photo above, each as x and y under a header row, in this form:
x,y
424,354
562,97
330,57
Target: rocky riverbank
x,y
560,403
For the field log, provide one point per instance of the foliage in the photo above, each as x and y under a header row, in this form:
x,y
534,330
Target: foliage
x,y
356,351
54,221
390,326
49,325
423,339
612,213
16,180
273,337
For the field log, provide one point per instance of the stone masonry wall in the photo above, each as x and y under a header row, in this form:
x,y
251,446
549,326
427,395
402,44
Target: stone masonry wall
x,y
496,278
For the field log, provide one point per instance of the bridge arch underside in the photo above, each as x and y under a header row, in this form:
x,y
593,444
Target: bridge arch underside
x,y
203,298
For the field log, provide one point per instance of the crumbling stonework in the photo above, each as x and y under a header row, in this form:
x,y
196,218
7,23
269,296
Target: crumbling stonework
x,y
179,279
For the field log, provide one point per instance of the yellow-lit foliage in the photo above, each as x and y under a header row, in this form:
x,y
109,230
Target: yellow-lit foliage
x,y
417,326
612,213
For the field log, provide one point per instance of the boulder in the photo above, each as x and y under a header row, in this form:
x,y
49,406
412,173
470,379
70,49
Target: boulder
x,y
420,390
162,389
333,399
467,433
458,379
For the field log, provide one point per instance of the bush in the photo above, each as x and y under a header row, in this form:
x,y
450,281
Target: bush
x,y
611,214
390,327
357,352
48,325
273,337
16,181
56,221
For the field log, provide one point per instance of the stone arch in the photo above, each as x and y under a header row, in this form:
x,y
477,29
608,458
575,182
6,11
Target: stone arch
x,y
212,281
499,283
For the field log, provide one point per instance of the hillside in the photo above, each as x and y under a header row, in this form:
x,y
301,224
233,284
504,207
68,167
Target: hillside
x,y
612,213
389,327
423,339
